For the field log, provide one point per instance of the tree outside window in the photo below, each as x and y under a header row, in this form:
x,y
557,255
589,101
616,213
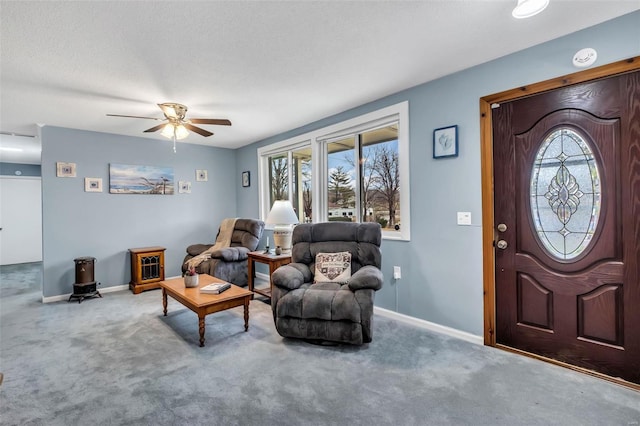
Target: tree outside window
x,y
292,170
377,174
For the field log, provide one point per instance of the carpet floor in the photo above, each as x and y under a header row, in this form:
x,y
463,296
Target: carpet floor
x,y
118,361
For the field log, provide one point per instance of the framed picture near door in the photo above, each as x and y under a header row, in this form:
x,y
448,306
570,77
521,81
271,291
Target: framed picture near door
x,y
445,142
246,179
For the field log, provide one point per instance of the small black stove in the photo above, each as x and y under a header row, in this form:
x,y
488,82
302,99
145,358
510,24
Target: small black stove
x,y
85,285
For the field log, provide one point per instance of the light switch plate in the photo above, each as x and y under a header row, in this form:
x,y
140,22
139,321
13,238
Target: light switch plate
x,y
397,273
464,218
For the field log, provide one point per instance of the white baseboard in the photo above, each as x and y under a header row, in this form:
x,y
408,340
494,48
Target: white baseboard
x,y
427,325
431,326
262,278
114,288
100,289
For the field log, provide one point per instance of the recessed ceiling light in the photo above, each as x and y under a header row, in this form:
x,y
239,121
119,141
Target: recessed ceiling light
x,y
529,8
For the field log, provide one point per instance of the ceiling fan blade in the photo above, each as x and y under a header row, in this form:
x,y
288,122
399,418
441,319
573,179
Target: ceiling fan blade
x,y
133,116
155,128
218,121
198,130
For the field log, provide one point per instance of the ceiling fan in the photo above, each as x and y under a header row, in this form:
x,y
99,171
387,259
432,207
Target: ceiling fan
x,y
176,125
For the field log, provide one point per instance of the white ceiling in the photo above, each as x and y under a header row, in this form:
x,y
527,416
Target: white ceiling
x,y
268,66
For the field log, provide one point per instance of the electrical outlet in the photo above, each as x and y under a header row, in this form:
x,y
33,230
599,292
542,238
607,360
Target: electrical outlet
x,y
397,274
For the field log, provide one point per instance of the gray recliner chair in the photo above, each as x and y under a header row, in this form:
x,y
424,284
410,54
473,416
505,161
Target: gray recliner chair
x,y
328,311
230,263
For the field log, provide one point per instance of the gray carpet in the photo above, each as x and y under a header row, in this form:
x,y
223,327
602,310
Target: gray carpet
x,y
117,360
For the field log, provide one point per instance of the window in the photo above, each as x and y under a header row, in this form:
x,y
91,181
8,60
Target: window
x,y
301,183
363,177
288,175
279,177
360,172
341,183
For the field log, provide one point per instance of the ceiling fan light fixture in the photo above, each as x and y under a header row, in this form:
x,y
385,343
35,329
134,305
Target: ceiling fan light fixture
x,y
168,130
173,110
529,8
181,132
175,126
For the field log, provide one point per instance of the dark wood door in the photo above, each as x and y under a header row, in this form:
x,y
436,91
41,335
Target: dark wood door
x,y
567,216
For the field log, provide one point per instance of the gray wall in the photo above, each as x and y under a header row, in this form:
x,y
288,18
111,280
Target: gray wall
x,y
442,264
105,226
10,169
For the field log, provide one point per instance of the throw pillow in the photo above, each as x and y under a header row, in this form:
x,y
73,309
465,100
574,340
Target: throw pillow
x,y
333,267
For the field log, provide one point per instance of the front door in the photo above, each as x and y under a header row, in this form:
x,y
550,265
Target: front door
x,y
567,216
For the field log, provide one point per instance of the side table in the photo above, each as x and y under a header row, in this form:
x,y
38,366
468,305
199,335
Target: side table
x,y
273,260
147,268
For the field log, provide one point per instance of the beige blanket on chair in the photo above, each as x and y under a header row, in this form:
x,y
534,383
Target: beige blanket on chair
x,y
222,240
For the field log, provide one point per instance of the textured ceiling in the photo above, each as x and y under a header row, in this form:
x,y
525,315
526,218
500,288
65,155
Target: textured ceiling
x,y
267,66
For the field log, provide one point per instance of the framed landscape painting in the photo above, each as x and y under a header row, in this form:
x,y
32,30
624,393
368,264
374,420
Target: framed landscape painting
x,y
132,179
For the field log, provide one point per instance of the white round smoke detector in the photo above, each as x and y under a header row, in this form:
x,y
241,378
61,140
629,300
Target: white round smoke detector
x,y
585,57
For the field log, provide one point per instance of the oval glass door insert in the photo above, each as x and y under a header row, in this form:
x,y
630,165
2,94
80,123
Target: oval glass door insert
x,y
565,194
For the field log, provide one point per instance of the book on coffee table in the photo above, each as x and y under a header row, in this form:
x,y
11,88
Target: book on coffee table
x,y
215,288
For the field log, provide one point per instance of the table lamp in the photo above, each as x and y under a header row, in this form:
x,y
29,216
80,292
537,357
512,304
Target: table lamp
x,y
282,216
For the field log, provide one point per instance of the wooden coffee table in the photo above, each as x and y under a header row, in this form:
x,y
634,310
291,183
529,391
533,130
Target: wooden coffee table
x,y
204,304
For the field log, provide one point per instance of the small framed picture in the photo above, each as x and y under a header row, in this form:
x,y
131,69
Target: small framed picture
x,y
65,169
246,179
184,187
445,142
202,176
92,184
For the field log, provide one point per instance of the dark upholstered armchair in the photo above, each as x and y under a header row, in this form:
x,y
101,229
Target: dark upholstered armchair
x,y
229,263
328,311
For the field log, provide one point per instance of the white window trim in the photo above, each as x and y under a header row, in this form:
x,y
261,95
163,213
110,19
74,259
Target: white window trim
x,y
398,112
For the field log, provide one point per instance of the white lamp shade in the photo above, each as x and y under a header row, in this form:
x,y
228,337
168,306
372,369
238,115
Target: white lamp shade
x,y
170,130
282,216
529,8
181,132
167,130
282,213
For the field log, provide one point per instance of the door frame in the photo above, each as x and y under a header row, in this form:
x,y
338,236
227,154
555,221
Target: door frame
x,y
488,221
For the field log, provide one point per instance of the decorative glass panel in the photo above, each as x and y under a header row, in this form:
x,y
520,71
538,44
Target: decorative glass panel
x,y
150,267
565,194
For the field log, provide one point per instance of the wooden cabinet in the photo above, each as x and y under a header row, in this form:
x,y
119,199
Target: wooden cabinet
x,y
147,268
